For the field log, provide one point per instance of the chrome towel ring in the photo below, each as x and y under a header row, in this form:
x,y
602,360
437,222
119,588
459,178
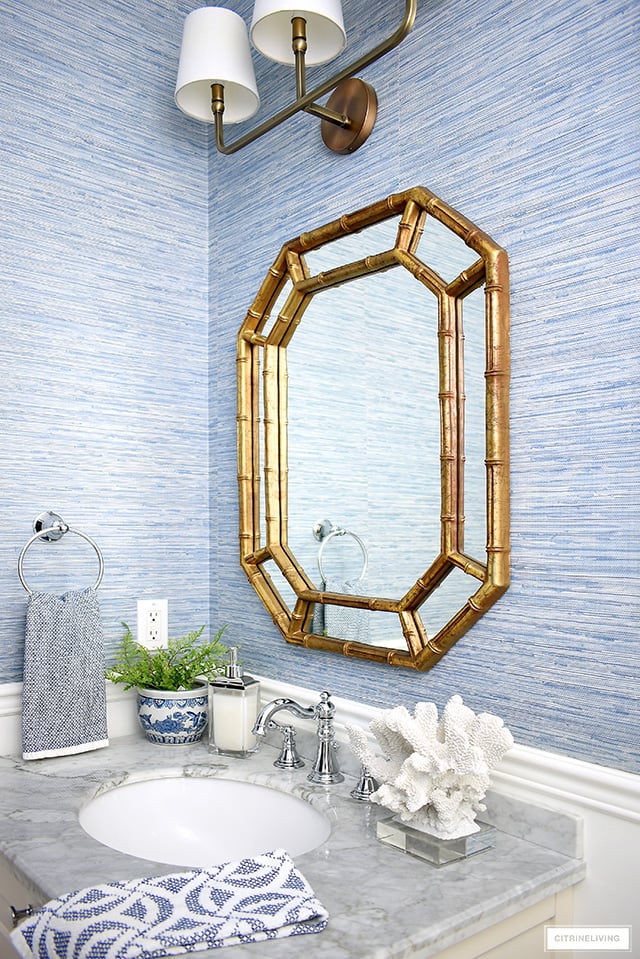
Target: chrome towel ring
x,y
325,532
51,527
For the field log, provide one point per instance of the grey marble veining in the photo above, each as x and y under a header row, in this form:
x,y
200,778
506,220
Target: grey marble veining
x,y
380,902
562,831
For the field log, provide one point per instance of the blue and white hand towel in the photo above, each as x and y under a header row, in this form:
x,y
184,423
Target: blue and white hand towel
x,y
251,900
64,704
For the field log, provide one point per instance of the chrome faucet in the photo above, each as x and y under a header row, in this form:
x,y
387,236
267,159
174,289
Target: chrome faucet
x,y
325,767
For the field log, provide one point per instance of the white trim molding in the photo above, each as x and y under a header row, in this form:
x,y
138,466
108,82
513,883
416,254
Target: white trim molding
x,y
558,777
523,771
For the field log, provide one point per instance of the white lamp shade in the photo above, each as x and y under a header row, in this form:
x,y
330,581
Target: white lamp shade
x,y
215,49
271,30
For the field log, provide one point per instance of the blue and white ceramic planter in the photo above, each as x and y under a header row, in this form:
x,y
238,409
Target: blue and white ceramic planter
x,y
173,718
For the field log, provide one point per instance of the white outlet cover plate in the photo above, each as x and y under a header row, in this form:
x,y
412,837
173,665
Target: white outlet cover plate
x,y
153,623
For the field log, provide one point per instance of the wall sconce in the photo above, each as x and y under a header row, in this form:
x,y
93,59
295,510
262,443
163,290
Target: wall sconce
x,y
216,81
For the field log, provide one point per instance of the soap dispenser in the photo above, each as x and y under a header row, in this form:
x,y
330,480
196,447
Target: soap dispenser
x,y
233,710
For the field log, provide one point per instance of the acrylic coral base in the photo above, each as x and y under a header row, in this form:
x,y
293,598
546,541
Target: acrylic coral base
x,y
432,849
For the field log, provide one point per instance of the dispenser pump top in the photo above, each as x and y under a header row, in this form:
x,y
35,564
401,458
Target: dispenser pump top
x,y
234,676
232,670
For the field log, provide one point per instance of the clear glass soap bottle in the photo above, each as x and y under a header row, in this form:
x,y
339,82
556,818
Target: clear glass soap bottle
x,y
233,709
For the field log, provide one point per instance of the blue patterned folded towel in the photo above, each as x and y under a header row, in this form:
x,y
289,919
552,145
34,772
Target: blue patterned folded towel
x,y
238,902
64,704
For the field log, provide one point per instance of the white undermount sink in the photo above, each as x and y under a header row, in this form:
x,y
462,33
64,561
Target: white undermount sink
x,y
192,821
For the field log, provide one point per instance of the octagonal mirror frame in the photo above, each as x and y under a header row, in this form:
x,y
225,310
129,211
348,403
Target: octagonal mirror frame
x,y
263,439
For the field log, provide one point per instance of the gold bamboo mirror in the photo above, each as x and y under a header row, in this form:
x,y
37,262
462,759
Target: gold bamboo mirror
x,y
373,432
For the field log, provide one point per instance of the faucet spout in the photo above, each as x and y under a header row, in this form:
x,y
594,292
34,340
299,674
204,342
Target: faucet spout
x,y
267,713
325,768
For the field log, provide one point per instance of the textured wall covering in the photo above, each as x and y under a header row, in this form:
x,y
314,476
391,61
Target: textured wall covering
x,y
103,311
522,116
525,118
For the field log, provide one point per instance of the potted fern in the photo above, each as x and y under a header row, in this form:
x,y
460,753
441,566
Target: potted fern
x,y
171,683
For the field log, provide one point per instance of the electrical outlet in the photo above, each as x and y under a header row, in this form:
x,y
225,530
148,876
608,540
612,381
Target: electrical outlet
x,y
153,622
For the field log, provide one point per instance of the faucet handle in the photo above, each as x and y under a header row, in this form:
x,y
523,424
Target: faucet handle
x,y
365,787
288,758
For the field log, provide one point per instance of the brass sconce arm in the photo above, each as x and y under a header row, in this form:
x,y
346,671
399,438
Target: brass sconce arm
x,y
351,111
299,47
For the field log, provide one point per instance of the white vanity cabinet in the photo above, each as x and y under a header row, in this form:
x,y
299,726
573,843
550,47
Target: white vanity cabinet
x,y
521,936
12,893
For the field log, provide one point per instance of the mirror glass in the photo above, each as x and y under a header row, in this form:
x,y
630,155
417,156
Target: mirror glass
x,y
373,405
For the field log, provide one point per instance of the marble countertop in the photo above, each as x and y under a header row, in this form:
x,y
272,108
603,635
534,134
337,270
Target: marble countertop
x,y
382,903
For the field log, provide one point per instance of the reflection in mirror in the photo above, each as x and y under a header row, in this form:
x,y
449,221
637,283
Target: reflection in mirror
x,y
369,457
373,402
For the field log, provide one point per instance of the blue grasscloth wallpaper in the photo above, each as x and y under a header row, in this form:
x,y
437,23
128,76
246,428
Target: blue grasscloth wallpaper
x,y
103,310
131,251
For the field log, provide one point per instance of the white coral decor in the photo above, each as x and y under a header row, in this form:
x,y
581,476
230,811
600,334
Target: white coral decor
x,y
434,773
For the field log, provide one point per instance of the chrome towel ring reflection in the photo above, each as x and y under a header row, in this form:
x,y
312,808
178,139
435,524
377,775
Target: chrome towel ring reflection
x,y
325,532
50,527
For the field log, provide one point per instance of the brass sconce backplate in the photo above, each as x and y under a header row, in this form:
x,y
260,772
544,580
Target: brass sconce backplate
x,y
357,100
